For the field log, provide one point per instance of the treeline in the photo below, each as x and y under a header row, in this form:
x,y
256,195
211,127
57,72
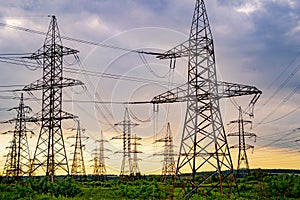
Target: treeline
x,y
257,185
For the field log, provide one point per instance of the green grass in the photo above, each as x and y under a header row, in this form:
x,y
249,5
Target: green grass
x,y
255,186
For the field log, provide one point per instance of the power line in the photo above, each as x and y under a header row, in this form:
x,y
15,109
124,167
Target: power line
x,y
98,108
147,65
284,100
283,116
279,139
14,54
284,70
24,63
114,76
81,40
108,102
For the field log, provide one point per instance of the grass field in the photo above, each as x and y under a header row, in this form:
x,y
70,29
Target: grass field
x,y
257,185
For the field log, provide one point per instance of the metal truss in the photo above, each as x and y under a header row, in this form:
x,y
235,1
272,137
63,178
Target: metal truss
x,y
242,146
18,159
169,168
99,159
204,157
50,154
127,124
78,167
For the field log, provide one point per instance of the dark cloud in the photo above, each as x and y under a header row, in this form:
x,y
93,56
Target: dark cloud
x,y
255,41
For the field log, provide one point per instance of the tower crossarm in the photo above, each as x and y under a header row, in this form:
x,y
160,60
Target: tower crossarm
x,y
184,50
119,137
59,49
247,134
225,90
163,140
135,151
247,146
165,154
101,141
39,118
178,94
240,121
10,121
41,84
181,50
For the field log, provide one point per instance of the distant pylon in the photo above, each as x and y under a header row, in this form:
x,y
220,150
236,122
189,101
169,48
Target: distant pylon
x,y
99,157
18,159
169,168
242,146
78,168
50,154
126,167
135,166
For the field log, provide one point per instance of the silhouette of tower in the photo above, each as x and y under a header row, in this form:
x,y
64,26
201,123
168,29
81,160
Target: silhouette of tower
x,y
204,144
242,146
126,168
135,167
18,159
168,169
50,153
99,159
78,168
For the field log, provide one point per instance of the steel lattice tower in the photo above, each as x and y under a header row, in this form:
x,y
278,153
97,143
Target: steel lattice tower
x,y
169,168
78,168
99,159
18,159
50,154
242,146
204,146
135,166
127,125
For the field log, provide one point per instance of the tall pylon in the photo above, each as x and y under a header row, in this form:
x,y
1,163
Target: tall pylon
x,y
135,166
168,169
204,146
99,157
78,168
242,146
18,158
127,124
50,153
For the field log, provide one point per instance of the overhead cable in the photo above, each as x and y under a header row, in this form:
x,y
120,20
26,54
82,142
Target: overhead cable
x,y
81,40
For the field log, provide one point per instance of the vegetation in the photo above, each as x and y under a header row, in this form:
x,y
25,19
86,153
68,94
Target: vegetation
x,y
257,185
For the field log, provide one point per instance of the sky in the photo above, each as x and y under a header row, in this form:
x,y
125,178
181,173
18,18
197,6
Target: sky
x,y
257,43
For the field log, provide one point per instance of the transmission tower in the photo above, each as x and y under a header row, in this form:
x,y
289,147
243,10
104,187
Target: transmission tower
x,y
78,168
242,146
204,144
168,169
50,153
127,167
135,167
99,159
18,159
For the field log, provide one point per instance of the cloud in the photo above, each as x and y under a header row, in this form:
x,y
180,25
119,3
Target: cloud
x,y
254,40
250,7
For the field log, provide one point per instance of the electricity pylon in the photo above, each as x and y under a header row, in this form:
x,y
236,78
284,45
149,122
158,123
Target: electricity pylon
x,y
168,169
135,166
204,146
78,168
242,146
50,153
99,159
18,159
126,167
